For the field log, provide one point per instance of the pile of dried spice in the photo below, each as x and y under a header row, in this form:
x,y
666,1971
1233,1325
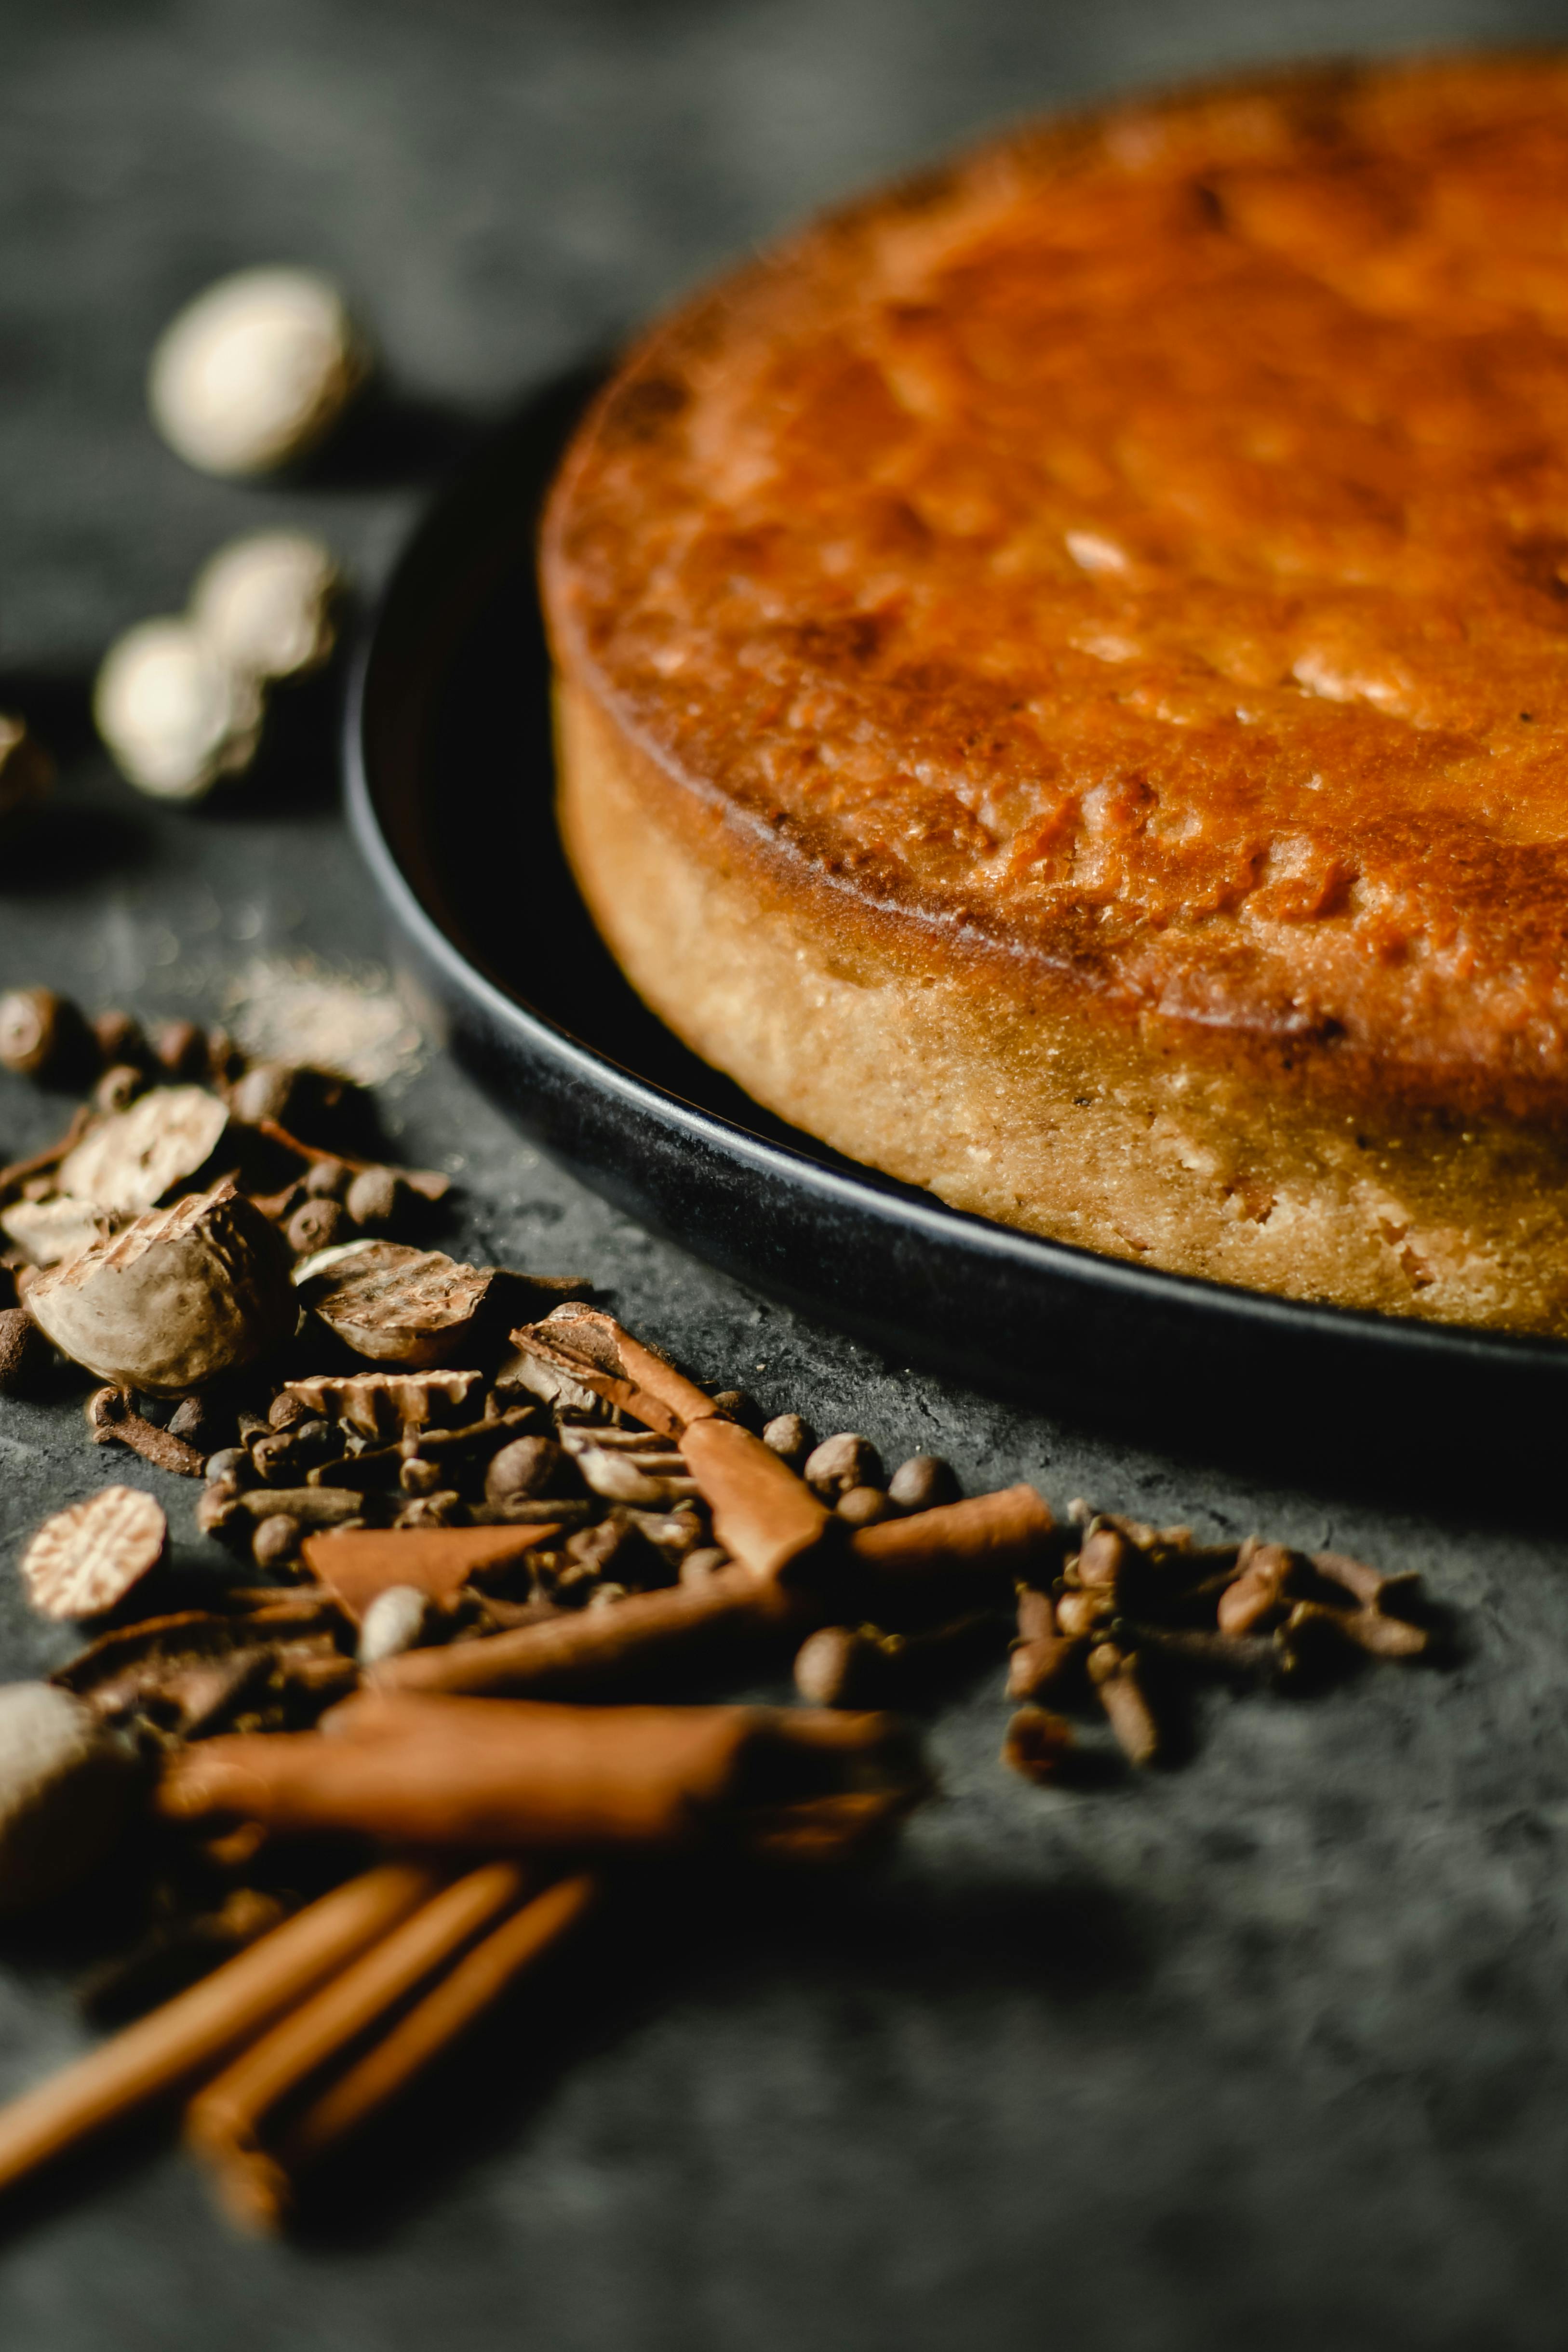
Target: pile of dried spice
x,y
493,1519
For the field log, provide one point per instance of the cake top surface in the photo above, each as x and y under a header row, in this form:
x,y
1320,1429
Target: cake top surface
x,y
1144,546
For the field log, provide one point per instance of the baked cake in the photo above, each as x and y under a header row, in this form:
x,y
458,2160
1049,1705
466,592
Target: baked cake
x,y
1063,683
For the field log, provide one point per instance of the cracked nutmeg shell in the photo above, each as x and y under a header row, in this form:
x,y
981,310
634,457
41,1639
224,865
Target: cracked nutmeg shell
x,y
396,1304
179,1297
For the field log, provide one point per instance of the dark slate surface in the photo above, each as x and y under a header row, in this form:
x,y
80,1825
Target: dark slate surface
x,y
1274,2048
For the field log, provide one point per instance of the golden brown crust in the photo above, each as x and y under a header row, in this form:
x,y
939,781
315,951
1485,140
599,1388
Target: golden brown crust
x,y
1097,1132
1126,575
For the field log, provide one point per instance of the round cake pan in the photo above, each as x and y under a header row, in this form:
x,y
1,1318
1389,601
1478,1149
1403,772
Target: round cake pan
x,y
450,790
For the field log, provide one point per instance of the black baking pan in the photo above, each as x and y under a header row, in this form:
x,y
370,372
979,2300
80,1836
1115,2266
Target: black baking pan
x,y
450,788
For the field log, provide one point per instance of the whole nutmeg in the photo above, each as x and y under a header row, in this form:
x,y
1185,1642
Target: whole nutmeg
x,y
524,1467
840,1463
173,713
372,1200
179,1297
922,1483
67,1785
255,372
266,603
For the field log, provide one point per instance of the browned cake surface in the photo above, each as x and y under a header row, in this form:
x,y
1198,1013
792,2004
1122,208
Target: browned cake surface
x,y
1137,559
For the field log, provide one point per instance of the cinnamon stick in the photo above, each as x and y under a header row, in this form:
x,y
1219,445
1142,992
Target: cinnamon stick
x,y
523,1775
197,2031
946,1558
590,1652
229,2122
902,1574
446,2012
764,1515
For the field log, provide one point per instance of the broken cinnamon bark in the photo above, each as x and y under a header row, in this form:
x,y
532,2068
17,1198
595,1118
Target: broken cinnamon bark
x,y
583,1349
525,1776
357,1565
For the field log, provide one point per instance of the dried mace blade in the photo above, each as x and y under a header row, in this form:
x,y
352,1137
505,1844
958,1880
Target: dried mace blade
x,y
86,1558
180,1296
396,1304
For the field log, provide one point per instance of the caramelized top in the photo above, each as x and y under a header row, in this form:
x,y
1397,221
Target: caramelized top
x,y
1144,546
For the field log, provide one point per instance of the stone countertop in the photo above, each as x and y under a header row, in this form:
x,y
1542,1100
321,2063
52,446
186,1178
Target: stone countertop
x,y
1273,2048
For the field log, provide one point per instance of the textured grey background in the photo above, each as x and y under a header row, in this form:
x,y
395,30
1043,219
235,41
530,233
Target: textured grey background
x,y
1272,2050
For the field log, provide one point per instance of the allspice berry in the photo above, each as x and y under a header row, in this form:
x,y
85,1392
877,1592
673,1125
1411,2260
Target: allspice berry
x,y
41,1034
118,1086
922,1483
789,1437
181,1049
174,715
22,1351
256,370
374,1197
326,1180
118,1035
840,1463
27,1018
26,773
316,1224
863,1506
265,1091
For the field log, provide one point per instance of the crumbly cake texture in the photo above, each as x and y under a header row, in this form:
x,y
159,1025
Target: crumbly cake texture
x,y
1063,675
